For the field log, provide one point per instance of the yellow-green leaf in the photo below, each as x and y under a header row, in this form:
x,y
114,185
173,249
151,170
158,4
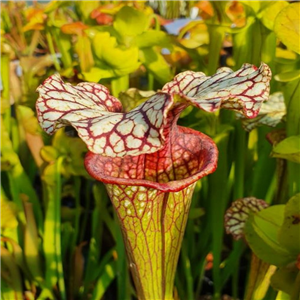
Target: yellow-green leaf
x,y
111,56
287,76
8,214
289,233
84,50
133,97
49,153
288,149
261,233
96,74
130,22
156,64
152,38
270,13
287,26
28,120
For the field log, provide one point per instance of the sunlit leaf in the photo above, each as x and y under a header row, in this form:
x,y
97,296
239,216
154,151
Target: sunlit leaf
x,y
255,6
151,38
111,56
73,163
31,242
83,48
288,149
287,76
53,5
49,153
286,26
156,64
261,233
28,120
270,13
36,18
285,55
8,214
289,233
130,22
96,74
194,34
85,8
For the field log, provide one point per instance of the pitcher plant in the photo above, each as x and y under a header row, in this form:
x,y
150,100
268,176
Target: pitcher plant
x,y
149,164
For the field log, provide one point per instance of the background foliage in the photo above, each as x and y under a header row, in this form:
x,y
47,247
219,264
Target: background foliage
x,y
60,239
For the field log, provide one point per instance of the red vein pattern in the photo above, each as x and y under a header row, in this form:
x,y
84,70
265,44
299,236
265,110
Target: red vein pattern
x,y
244,90
186,157
149,164
153,246
96,115
237,214
270,114
152,194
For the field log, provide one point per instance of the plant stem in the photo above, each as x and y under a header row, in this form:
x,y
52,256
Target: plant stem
x,y
150,81
52,50
5,99
77,185
92,267
63,44
292,95
57,222
264,167
19,182
86,212
119,84
52,233
241,150
238,188
122,273
216,38
34,42
188,272
218,201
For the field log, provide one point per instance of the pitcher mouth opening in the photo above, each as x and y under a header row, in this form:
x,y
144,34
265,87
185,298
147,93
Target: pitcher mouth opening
x,y
188,156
